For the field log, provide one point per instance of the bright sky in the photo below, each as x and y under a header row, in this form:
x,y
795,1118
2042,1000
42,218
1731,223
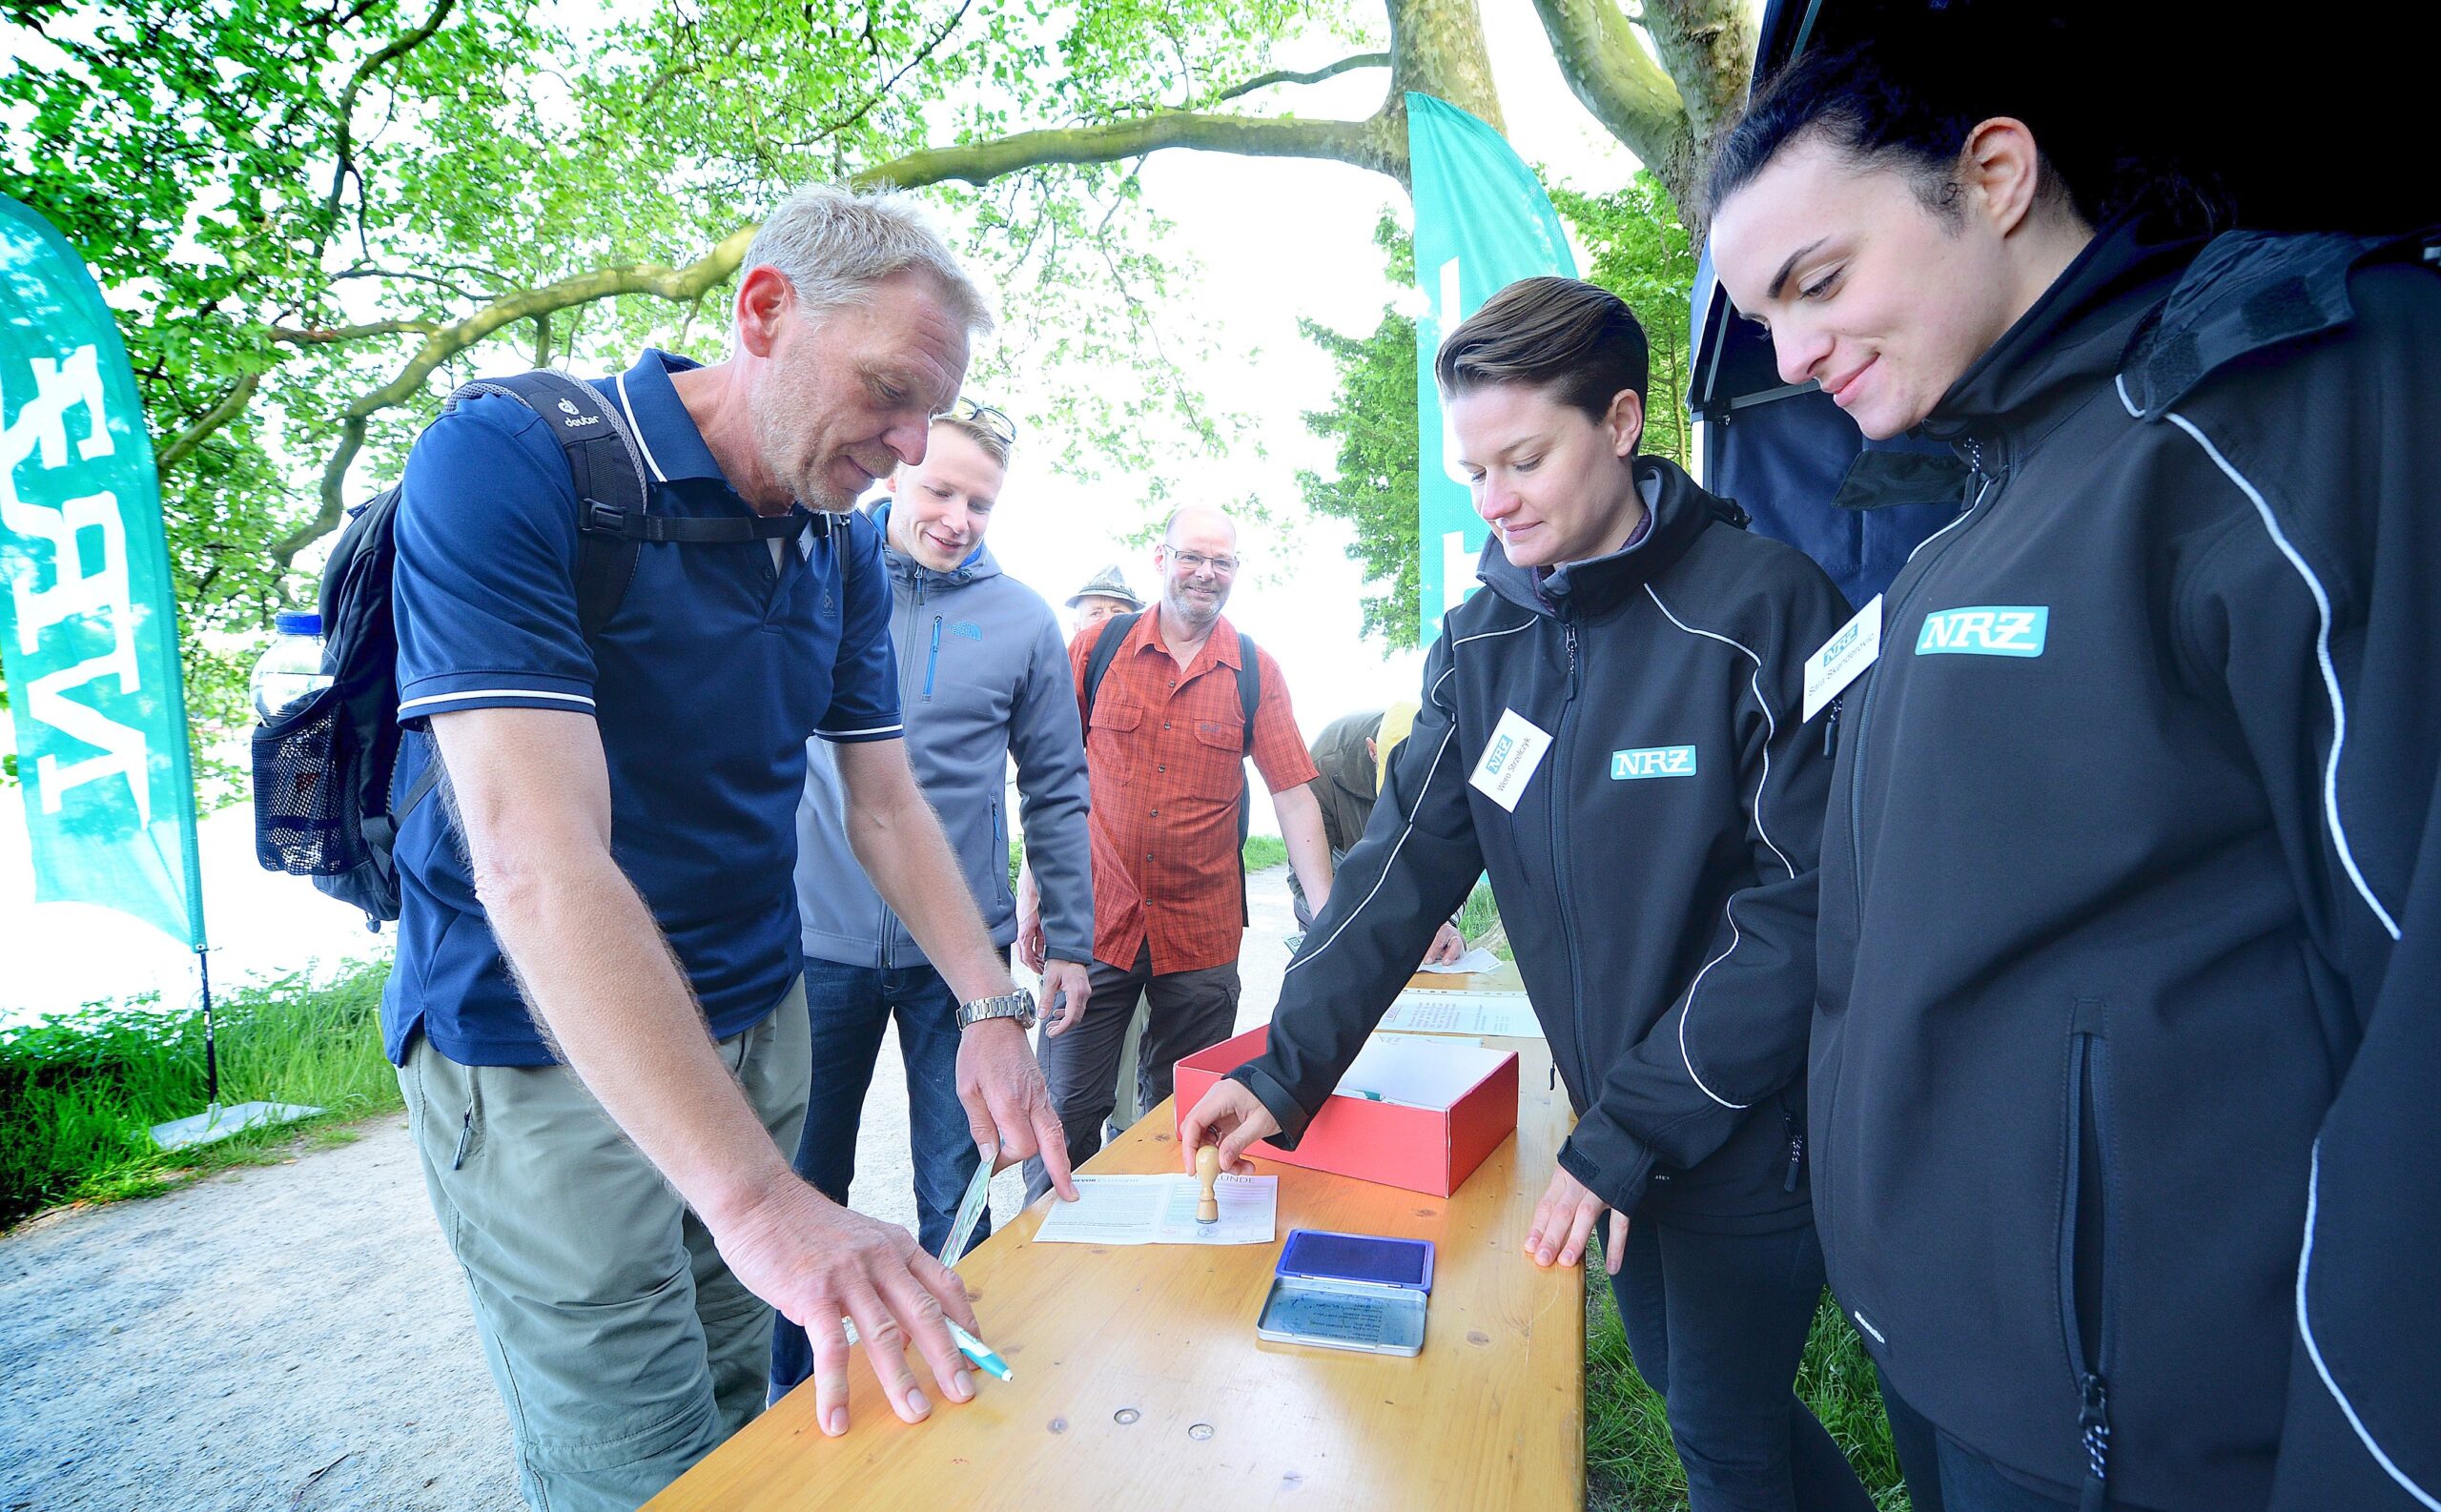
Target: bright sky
x,y
1278,239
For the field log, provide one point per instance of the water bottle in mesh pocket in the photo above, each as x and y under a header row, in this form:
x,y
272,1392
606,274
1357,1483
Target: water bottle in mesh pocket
x,y
302,823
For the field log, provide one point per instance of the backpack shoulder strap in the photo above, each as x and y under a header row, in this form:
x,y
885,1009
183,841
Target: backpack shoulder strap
x,y
610,472
1249,683
1114,629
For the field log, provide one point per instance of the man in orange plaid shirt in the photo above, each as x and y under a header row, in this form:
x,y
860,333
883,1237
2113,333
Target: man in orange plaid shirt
x,y
1165,744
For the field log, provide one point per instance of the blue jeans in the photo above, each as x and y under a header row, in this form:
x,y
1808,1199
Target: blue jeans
x,y
849,1006
1717,1323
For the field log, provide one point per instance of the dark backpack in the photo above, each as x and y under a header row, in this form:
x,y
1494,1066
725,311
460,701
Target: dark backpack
x,y
1114,629
324,765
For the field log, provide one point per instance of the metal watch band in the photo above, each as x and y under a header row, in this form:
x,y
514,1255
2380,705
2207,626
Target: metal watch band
x,y
1017,1005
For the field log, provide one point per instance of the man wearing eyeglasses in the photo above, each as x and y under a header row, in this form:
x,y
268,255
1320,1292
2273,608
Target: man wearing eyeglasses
x,y
982,676
1166,738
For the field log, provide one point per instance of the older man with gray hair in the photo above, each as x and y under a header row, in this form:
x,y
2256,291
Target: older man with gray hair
x,y
597,1012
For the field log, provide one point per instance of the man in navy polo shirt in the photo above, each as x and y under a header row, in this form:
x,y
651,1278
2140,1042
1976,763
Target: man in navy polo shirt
x,y
597,1010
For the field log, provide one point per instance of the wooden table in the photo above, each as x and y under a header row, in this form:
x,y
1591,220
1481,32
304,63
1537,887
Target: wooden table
x,y
1141,1384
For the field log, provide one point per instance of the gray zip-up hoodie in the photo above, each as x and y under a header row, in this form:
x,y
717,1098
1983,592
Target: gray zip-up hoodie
x,y
982,675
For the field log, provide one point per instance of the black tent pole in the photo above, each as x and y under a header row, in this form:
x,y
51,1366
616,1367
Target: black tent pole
x,y
211,1056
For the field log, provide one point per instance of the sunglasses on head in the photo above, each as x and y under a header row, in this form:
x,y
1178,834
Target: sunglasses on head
x,y
997,422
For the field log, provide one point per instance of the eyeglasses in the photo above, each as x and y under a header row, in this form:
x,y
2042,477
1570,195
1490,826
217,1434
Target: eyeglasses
x,y
991,420
1197,562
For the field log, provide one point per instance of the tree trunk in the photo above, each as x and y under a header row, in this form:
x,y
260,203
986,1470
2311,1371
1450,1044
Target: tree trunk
x,y
1437,49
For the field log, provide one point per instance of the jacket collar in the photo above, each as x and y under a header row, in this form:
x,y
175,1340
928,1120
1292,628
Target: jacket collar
x,y
2070,339
1577,590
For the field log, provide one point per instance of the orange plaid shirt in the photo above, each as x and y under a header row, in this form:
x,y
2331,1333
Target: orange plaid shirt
x,y
1165,750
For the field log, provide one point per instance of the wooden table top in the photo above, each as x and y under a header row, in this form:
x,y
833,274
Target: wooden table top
x,y
1490,1415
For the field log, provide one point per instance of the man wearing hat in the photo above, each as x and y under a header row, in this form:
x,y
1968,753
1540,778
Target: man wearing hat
x,y
1105,594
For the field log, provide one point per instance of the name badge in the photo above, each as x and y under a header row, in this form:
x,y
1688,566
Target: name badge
x,y
1517,748
1843,658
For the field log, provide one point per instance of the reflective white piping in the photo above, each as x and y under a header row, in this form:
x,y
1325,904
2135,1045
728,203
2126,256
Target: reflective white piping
x,y
491,692
851,734
1408,827
1729,910
2313,1351
2321,655
638,432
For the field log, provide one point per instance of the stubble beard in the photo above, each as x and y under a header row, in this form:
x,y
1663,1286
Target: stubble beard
x,y
780,418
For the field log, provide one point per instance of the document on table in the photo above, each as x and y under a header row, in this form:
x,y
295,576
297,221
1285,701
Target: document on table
x,y
1417,1071
1161,1209
1477,959
1425,1010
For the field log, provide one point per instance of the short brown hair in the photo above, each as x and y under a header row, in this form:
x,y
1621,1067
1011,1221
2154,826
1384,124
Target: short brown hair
x,y
994,446
1577,340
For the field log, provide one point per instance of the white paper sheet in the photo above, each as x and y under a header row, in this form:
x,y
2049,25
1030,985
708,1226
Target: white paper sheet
x,y
1423,1011
1417,1071
1161,1209
1474,960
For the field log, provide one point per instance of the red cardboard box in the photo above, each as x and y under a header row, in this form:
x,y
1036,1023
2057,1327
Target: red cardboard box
x,y
1421,1149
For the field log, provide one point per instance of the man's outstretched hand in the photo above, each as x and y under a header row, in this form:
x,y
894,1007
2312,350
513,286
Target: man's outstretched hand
x,y
1008,1104
818,1262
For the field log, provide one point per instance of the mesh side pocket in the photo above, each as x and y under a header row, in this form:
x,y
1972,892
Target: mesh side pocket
x,y
305,823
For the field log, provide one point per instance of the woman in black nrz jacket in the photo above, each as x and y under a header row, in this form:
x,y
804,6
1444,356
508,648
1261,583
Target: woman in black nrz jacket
x,y
1611,729
2127,1073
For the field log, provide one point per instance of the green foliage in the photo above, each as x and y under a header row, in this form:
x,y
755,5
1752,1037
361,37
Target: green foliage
x,y
286,200
1263,851
1639,250
80,1091
1641,253
1631,1464
1373,419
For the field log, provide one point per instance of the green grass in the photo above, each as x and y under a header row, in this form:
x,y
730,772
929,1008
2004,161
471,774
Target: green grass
x,y
1629,1465
80,1091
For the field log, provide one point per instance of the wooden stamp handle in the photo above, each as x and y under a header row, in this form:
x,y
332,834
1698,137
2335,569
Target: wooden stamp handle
x,y
1207,1170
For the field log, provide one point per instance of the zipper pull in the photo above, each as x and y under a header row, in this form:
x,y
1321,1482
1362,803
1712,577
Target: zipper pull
x,y
1831,723
1797,1149
2093,1429
1570,625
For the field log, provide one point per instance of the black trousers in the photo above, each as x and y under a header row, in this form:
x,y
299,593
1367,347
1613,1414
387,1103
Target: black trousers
x,y
1717,1323
1189,1011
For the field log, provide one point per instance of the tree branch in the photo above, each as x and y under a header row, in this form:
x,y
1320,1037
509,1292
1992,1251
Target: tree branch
x,y
231,406
678,284
324,336
1377,143
398,47
1372,143
1627,90
1330,71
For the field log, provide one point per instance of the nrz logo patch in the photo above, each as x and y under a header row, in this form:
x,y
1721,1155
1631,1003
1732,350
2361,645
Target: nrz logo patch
x,y
1997,629
1499,753
1653,761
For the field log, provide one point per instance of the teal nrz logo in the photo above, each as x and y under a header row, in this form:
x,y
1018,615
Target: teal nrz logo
x,y
1998,630
1653,761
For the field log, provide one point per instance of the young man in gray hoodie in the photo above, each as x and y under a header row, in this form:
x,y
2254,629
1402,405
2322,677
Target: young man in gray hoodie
x,y
983,675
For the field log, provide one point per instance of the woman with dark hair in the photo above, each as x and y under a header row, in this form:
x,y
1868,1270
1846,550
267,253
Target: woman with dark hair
x,y
2122,1070
1611,729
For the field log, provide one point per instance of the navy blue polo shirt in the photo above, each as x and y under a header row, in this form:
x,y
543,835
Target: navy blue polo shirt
x,y
705,687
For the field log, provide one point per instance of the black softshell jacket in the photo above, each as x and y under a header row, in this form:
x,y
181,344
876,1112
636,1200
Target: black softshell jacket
x,y
1657,877
2130,888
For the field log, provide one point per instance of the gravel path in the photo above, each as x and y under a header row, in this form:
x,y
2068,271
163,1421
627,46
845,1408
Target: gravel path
x,y
297,1337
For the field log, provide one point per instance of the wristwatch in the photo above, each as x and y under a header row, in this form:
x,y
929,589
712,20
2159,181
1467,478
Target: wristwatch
x,y
1017,1004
